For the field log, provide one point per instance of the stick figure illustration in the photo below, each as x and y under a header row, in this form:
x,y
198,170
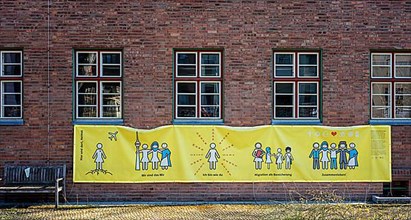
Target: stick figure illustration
x,y
279,159
144,157
212,156
288,157
258,154
268,157
154,151
315,154
165,157
353,159
99,156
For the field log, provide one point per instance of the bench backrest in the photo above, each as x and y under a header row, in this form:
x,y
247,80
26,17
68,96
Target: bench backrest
x,y
33,175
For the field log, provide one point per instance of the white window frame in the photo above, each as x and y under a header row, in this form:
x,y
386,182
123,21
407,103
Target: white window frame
x,y
101,64
77,99
201,65
389,105
395,96
308,65
389,65
293,64
219,99
2,99
101,112
317,94
396,65
196,99
195,64
90,64
2,64
275,104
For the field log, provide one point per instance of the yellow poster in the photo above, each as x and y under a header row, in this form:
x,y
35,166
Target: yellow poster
x,y
118,154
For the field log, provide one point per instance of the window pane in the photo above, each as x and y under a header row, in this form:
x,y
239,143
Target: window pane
x,y
11,57
111,112
383,59
209,87
12,99
381,112
113,87
307,59
87,112
85,58
113,58
87,100
284,88
87,87
283,112
210,58
403,71
284,71
111,100
111,70
403,100
379,88
404,59
284,59
308,100
210,100
186,112
12,70
12,111
186,88
186,100
308,112
85,70
186,71
210,71
12,87
184,58
380,100
379,71
403,88
308,71
284,100
210,112
308,88
403,112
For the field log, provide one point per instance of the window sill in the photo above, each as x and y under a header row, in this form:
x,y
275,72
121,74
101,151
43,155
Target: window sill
x,y
98,122
295,122
11,122
390,122
198,122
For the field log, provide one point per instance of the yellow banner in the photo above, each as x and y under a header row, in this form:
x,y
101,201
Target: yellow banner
x,y
117,154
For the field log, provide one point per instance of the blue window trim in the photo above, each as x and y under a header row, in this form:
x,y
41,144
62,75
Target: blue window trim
x,y
99,122
11,122
390,122
198,122
296,122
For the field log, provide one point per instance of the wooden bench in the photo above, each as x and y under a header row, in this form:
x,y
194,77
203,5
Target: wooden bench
x,y
35,179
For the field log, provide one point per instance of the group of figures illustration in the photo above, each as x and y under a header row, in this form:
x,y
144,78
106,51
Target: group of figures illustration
x,y
324,153
143,156
259,154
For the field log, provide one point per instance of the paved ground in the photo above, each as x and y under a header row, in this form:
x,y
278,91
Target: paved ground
x,y
216,211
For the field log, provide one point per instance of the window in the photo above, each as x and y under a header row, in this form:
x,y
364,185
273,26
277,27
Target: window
x,y
296,84
11,85
198,80
98,83
390,85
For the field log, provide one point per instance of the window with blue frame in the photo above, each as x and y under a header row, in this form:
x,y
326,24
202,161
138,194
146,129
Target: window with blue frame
x,y
98,85
11,85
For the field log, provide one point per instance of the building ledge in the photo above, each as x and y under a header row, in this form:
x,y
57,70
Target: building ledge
x,y
11,122
390,122
99,122
295,122
198,122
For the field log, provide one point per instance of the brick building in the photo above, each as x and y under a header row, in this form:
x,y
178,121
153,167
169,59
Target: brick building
x,y
142,63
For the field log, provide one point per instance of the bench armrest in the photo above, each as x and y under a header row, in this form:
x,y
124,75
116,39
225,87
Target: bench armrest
x,y
59,179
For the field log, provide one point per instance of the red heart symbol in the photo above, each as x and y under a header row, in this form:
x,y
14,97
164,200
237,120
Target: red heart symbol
x,y
333,133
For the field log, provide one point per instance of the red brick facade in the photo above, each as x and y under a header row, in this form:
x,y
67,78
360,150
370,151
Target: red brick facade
x,y
148,31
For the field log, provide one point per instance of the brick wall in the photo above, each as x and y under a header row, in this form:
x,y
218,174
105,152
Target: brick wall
x,y
147,31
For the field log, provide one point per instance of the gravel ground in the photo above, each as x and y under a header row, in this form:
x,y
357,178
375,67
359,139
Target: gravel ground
x,y
212,211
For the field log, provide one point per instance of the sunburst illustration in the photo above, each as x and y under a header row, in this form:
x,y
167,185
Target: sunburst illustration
x,y
215,153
